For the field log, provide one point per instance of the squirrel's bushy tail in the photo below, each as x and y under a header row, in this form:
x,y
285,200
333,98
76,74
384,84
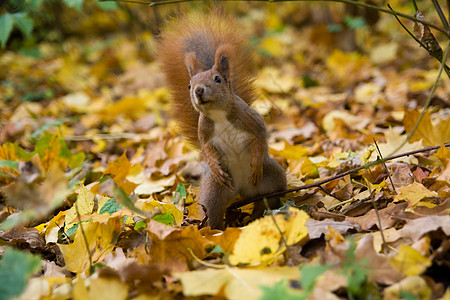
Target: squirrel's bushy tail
x,y
202,33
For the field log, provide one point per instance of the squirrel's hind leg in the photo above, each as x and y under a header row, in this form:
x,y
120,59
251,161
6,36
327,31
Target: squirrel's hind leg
x,y
273,180
215,198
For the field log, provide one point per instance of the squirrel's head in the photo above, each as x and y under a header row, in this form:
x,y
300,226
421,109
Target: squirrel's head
x,y
210,89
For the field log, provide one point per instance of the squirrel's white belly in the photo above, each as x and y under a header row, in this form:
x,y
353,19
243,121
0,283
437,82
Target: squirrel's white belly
x,y
234,143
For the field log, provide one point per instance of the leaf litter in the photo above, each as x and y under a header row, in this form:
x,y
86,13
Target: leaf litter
x,y
98,192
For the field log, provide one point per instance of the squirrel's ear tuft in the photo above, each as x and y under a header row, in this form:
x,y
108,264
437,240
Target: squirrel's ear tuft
x,y
191,63
221,63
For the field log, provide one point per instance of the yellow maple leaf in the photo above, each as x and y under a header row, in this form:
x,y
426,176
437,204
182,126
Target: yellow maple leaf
x,y
413,194
164,208
97,237
235,283
409,261
85,204
119,169
431,133
393,141
261,242
100,288
289,151
414,285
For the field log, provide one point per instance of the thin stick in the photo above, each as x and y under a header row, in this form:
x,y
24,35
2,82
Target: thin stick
x,y
352,2
377,213
319,183
384,165
283,239
440,13
329,194
427,103
414,4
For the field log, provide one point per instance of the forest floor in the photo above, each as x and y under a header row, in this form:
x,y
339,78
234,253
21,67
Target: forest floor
x,y
98,192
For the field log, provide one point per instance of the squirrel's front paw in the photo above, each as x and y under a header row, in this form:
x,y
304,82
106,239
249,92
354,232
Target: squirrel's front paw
x,y
222,177
257,174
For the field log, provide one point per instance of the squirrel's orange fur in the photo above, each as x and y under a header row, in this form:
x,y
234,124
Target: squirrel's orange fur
x,y
202,34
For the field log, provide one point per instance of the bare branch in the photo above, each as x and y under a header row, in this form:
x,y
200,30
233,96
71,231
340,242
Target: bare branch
x,y
319,183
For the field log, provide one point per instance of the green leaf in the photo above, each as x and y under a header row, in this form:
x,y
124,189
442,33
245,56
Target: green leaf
x,y
38,132
354,22
217,249
24,23
139,225
77,4
15,269
180,193
111,206
108,5
72,230
165,218
6,26
280,290
309,275
9,164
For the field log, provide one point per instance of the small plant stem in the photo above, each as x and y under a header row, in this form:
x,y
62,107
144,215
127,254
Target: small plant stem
x,y
84,236
283,240
377,213
384,166
427,103
440,13
446,68
416,8
328,193
338,204
203,262
352,2
319,183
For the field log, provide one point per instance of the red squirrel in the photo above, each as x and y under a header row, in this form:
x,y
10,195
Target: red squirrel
x,y
208,71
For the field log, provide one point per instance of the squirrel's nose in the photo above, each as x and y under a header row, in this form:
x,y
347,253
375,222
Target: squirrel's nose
x,y
199,91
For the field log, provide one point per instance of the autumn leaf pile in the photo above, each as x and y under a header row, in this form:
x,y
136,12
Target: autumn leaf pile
x,y
98,192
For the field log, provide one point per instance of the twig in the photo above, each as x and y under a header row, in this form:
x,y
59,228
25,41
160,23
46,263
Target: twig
x,y
352,2
340,203
319,183
377,213
385,167
416,8
283,239
433,54
427,103
440,13
329,194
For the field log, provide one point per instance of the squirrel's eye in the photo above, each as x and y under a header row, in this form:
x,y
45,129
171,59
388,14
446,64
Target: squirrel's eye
x,y
217,79
189,86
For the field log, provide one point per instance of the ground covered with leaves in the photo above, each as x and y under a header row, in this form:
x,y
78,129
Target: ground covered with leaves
x,y
98,192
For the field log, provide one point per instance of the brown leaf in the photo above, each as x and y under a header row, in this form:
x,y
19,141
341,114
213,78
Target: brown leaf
x,y
424,34
317,228
415,229
24,238
382,270
172,248
387,215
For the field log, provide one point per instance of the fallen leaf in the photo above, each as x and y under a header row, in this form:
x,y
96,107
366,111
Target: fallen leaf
x,y
409,261
260,241
97,237
236,283
173,248
413,194
431,133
